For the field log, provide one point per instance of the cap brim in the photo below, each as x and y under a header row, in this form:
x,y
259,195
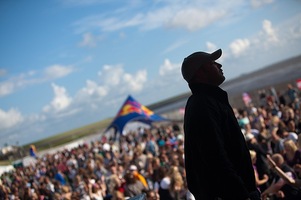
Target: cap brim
x,y
216,55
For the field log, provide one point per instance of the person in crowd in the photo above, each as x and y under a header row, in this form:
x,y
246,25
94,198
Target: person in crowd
x,y
96,192
259,181
164,186
292,154
279,188
60,176
81,188
291,93
287,115
134,170
260,161
115,183
133,186
217,159
152,195
287,178
176,183
66,193
297,167
158,174
279,135
139,158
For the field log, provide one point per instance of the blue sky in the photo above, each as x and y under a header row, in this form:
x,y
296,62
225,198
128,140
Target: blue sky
x,y
68,63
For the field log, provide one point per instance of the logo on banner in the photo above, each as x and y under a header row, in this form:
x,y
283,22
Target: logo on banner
x,y
134,107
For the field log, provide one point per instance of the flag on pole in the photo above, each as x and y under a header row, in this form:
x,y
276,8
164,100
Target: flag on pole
x,y
246,98
298,82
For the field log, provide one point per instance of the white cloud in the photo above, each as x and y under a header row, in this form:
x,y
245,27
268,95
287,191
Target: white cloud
x,y
258,3
10,118
295,30
116,77
104,23
193,19
111,75
111,78
239,46
116,24
269,31
60,102
34,77
172,14
57,71
168,68
157,18
93,89
6,88
175,46
211,47
135,82
268,36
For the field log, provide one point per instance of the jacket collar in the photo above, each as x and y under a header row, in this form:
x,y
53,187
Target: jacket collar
x,y
211,90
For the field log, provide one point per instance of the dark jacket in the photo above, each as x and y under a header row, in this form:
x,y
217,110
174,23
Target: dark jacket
x,y
217,159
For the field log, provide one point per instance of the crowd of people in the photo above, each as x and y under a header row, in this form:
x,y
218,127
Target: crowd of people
x,y
146,161
150,161
272,132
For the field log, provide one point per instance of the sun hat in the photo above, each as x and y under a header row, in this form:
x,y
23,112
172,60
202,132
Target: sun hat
x,y
165,183
133,168
106,147
195,60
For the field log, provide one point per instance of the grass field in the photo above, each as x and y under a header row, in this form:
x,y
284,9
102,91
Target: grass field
x,y
70,136
63,138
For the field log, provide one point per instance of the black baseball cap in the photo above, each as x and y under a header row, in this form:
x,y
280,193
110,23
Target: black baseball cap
x,y
196,60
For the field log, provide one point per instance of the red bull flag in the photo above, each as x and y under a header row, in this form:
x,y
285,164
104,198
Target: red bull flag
x,y
132,110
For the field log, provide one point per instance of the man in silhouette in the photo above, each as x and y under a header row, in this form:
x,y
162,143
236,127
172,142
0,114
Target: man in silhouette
x,y
217,160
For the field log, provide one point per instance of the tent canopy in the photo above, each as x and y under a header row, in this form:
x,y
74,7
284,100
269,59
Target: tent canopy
x,y
132,110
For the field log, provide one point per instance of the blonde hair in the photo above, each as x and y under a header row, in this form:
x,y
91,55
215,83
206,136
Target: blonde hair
x,y
176,180
290,144
65,189
253,155
278,159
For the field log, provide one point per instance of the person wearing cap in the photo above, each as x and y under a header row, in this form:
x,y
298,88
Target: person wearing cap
x,y
217,159
133,169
